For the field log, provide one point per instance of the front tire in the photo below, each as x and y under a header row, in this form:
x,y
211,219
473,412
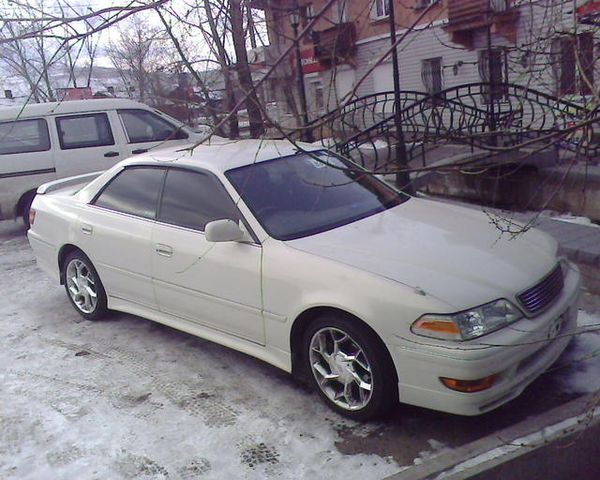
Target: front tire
x,y
83,286
350,367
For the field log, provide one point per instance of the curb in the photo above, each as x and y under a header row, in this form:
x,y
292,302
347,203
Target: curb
x,y
508,444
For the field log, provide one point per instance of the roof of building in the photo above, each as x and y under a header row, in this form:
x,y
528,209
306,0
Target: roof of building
x,y
66,107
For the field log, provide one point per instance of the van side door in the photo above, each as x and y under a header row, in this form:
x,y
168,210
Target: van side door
x,y
86,143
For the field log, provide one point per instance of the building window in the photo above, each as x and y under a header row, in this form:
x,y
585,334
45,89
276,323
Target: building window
x,y
424,3
318,96
306,14
493,70
498,5
572,60
110,90
431,75
379,9
8,94
338,11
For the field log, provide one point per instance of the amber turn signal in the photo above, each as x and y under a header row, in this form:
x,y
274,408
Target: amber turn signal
x,y
469,386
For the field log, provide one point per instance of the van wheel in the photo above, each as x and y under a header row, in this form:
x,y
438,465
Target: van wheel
x,y
26,207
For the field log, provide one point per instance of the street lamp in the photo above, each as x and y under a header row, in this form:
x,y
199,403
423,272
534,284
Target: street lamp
x,y
294,22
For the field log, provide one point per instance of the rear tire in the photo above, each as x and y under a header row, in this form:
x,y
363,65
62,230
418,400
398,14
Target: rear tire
x,y
26,207
83,286
349,366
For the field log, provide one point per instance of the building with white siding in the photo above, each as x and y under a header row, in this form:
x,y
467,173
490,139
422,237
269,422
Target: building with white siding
x,y
548,45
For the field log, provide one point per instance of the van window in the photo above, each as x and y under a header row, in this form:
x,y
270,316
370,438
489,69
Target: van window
x,y
82,131
23,136
134,191
144,126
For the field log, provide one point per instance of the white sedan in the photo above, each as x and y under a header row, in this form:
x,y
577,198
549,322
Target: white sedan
x,y
299,258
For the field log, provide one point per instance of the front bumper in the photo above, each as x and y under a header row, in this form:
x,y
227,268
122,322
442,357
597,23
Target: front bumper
x,y
517,354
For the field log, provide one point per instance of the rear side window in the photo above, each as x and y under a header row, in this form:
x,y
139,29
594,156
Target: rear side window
x,y
143,126
83,131
23,136
192,199
134,191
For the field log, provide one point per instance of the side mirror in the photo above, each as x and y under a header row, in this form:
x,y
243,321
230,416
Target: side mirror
x,y
223,231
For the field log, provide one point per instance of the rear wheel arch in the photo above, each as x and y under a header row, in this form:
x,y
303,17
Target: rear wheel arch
x,y
63,253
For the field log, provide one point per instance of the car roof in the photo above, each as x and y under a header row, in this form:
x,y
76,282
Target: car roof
x,y
66,107
220,154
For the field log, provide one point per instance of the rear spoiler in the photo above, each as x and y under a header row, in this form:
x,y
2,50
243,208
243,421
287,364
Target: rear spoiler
x,y
67,182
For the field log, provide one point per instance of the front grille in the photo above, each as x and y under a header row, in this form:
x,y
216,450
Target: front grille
x,y
542,295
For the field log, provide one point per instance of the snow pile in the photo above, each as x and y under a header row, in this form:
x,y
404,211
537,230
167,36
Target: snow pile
x,y
574,219
582,358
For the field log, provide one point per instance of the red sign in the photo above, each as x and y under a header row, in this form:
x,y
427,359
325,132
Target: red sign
x,y
309,63
589,12
79,93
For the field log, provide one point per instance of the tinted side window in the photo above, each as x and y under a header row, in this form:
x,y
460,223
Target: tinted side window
x,y
143,126
192,199
24,136
134,191
81,131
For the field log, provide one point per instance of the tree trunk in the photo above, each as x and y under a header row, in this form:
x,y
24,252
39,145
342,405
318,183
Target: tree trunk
x,y
243,69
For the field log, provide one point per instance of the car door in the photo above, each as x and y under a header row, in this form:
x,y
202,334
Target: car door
x,y
213,284
146,130
86,143
115,231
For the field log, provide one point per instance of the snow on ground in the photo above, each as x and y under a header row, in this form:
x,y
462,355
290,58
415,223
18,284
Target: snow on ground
x,y
127,398
581,361
574,219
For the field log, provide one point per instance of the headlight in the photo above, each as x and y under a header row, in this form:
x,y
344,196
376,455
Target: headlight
x,y
469,324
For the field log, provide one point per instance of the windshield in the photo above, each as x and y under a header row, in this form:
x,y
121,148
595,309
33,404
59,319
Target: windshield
x,y
304,194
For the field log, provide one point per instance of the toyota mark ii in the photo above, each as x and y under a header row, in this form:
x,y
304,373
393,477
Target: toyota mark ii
x,y
300,258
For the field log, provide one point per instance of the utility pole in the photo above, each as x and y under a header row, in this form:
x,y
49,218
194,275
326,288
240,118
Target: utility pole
x,y
402,176
306,136
491,77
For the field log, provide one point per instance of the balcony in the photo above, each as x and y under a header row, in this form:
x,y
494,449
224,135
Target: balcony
x,y
465,16
335,45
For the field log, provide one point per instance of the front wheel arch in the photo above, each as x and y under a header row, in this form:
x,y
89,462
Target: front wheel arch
x,y
302,322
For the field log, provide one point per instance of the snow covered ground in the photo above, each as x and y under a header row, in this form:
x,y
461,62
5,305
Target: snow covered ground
x,y
127,398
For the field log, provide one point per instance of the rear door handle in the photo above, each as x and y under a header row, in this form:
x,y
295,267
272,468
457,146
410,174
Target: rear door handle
x,y
87,229
111,154
163,250
139,150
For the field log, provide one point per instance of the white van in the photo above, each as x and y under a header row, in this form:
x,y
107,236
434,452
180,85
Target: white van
x,y
45,141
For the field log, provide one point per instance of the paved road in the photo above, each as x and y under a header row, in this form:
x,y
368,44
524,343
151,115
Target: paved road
x,y
127,398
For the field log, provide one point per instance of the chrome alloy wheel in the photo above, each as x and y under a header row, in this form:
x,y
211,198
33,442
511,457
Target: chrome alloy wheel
x,y
81,286
341,368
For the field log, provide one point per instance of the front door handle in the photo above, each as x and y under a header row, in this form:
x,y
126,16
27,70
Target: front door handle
x,y
139,150
87,229
163,250
111,154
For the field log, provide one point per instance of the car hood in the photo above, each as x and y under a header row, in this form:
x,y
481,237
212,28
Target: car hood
x,y
453,253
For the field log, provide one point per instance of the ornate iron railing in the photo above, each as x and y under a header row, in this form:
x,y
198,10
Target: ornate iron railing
x,y
473,114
